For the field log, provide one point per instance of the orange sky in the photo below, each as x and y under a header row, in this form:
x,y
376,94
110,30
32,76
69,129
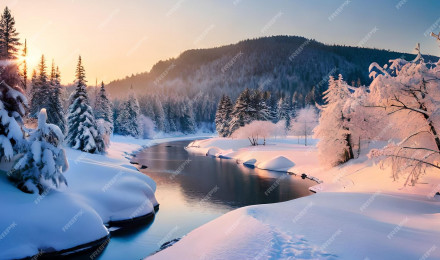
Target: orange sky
x,y
117,38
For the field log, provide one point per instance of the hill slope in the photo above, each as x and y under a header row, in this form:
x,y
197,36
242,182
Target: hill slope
x,y
280,63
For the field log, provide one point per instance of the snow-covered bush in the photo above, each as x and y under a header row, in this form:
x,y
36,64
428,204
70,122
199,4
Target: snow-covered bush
x,y
305,121
147,127
256,130
41,167
105,130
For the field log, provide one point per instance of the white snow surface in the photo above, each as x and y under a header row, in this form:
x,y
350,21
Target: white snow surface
x,y
102,188
358,212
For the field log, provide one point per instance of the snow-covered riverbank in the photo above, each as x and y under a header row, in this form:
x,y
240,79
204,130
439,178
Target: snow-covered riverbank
x,y
359,212
102,189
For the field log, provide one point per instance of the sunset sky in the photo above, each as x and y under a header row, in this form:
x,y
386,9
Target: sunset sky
x,y
117,38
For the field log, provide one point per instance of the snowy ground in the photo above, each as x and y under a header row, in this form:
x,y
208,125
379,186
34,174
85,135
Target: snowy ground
x,y
102,188
359,212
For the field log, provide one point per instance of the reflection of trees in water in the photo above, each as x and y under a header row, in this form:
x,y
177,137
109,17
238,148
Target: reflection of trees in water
x,y
221,181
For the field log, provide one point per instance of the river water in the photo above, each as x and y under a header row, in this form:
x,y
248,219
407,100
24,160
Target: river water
x,y
192,190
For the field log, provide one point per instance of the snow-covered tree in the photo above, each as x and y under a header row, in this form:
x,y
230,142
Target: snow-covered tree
x,y
242,112
12,108
305,121
187,121
24,67
409,93
128,118
9,41
256,130
41,89
103,109
41,167
55,110
260,110
334,144
223,116
284,113
82,134
147,127
159,114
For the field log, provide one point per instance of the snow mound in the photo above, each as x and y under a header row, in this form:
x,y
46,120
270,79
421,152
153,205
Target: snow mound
x,y
279,163
250,163
213,151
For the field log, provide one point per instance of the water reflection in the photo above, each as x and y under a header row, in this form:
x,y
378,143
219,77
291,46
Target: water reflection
x,y
193,190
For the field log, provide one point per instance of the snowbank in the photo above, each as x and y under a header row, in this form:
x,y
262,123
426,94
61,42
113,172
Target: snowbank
x,y
279,163
102,189
359,212
321,226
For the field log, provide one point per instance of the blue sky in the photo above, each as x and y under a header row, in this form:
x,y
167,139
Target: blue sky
x,y
117,38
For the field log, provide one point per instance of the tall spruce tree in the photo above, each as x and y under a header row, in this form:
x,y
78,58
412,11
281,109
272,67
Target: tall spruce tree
x,y
40,90
83,134
284,113
222,116
103,109
242,112
128,118
55,111
24,67
187,122
9,41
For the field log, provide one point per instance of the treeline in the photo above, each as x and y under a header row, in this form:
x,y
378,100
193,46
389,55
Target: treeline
x,y
257,105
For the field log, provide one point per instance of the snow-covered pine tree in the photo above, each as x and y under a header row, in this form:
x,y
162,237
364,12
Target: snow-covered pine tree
x,y
40,90
82,134
12,108
242,112
187,121
9,41
159,114
55,110
284,113
103,108
222,116
334,145
273,108
43,164
260,110
24,67
128,118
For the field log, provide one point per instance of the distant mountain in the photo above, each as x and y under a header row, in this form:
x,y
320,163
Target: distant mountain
x,y
282,64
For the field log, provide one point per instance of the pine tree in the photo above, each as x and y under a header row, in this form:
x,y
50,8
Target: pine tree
x,y
24,70
284,113
103,108
159,114
128,118
9,41
83,134
242,112
40,90
334,138
45,160
187,121
222,116
273,108
12,109
55,111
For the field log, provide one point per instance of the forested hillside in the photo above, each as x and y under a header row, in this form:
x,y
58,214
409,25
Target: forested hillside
x,y
286,64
